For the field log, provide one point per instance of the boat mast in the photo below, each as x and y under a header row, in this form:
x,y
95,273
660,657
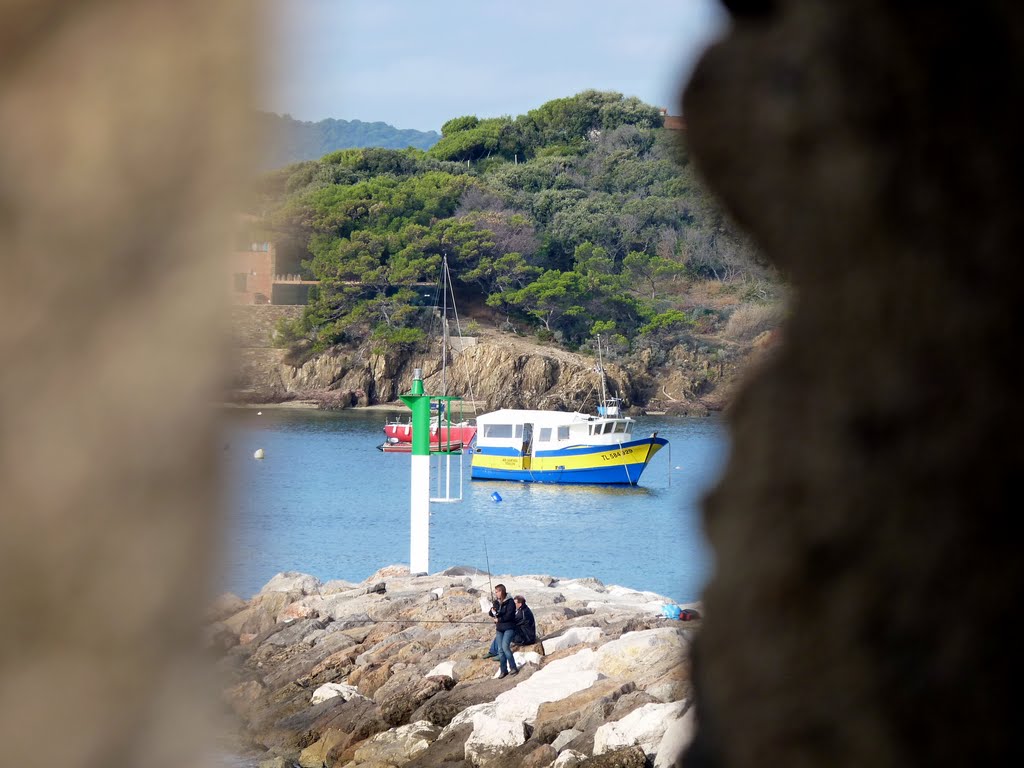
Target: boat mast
x,y
600,367
444,324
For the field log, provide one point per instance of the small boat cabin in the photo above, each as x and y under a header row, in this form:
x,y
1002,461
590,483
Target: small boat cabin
x,y
534,431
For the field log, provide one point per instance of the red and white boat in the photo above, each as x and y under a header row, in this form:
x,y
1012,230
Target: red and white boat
x,y
461,432
398,446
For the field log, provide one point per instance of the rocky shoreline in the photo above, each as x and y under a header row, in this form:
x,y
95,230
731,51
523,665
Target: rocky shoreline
x,y
501,370
391,672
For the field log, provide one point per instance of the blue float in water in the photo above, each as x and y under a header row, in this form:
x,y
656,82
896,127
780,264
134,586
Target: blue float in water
x,y
495,496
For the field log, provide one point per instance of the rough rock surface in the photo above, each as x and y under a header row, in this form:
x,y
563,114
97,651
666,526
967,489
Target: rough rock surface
x,y
388,673
505,371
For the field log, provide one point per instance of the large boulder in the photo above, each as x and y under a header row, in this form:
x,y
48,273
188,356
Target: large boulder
x,y
330,690
603,711
568,758
284,664
399,745
290,724
564,739
555,681
334,586
443,708
315,755
305,608
398,704
676,739
292,581
492,737
572,636
643,656
261,613
644,727
447,751
369,678
563,714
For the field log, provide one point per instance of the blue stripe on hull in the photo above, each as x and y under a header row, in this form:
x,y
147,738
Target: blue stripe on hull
x,y
614,475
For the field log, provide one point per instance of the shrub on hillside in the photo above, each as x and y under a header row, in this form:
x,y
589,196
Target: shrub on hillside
x,y
750,320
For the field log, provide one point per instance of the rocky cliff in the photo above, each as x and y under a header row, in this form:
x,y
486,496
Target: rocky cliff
x,y
496,370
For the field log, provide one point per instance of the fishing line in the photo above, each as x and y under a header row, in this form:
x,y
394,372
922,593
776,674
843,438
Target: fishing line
x,y
411,621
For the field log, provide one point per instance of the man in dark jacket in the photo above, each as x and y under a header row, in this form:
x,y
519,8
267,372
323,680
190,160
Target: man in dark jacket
x,y
504,614
526,627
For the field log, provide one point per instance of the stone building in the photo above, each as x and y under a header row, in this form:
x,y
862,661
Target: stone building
x,y
258,273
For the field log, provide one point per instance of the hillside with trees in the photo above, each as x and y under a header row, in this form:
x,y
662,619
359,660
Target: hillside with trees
x,y
581,217
288,140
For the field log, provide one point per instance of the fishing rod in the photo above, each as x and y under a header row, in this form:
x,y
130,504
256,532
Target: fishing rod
x,y
488,561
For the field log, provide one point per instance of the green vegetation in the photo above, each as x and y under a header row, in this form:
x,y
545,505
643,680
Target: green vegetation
x,y
291,140
581,217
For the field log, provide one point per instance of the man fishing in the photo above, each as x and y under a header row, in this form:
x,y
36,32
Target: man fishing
x,y
503,611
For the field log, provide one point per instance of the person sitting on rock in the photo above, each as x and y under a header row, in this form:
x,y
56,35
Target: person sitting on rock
x,y
504,615
526,628
525,632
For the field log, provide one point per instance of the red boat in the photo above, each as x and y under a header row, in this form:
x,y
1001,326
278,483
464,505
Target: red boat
x,y
400,446
462,432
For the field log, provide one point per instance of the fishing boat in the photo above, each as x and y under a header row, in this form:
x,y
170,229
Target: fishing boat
x,y
559,447
444,428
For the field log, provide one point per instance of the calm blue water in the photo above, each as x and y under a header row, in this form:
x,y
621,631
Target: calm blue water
x,y
326,502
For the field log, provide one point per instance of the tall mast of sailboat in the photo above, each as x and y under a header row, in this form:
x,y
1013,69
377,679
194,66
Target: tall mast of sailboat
x,y
444,324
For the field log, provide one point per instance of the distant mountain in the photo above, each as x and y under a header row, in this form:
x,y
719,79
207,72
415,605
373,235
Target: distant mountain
x,y
289,140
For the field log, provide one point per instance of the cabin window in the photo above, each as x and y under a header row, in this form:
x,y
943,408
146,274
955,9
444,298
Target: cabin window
x,y
519,430
609,427
563,433
498,430
545,435
620,426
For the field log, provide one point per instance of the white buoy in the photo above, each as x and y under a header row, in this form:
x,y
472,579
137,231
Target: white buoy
x,y
259,413
259,454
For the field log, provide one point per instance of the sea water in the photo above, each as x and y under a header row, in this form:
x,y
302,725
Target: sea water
x,y
326,502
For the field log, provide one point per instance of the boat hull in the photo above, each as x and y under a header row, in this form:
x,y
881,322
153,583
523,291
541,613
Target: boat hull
x,y
400,447
456,433
585,465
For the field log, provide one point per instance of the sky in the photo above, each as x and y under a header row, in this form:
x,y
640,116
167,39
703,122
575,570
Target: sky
x,y
417,64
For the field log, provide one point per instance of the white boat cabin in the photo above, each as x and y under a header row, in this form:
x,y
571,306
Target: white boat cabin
x,y
549,430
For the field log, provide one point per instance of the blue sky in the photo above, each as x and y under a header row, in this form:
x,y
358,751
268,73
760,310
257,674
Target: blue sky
x,y
416,64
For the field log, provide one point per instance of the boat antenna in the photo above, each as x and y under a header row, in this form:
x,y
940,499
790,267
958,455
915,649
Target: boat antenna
x,y
600,367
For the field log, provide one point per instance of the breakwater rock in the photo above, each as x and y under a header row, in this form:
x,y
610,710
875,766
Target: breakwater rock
x,y
392,672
